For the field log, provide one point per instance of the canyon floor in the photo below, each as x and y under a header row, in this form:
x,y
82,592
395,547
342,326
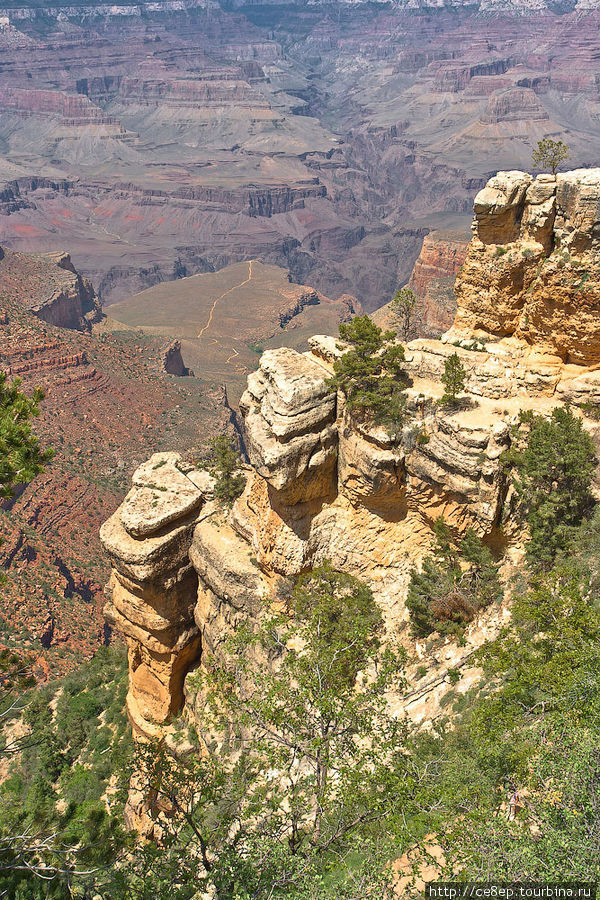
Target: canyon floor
x,y
224,320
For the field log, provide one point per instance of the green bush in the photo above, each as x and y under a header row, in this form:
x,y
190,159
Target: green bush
x,y
552,462
453,379
453,585
21,457
370,374
57,782
224,465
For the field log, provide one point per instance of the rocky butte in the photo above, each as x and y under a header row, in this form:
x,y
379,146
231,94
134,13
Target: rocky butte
x,y
185,571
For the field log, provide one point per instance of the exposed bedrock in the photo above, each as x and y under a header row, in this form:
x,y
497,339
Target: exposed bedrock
x,y
289,414
432,280
153,586
64,298
324,486
533,266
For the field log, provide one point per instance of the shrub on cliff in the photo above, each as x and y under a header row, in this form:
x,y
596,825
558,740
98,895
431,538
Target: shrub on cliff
x,y
224,464
453,379
370,374
552,462
453,585
549,154
57,827
303,759
512,786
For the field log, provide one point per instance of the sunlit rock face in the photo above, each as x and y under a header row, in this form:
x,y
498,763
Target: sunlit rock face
x,y
322,485
533,267
153,586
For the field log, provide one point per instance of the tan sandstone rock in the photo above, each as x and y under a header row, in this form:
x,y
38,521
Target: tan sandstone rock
x,y
533,267
153,586
161,494
289,413
323,486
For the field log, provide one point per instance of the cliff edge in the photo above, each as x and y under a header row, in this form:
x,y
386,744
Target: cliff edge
x,y
323,486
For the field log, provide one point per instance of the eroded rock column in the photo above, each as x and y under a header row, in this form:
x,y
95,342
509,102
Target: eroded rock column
x,y
153,585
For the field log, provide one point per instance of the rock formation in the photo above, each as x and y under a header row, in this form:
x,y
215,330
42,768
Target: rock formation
x,y
173,363
61,296
153,584
533,267
323,486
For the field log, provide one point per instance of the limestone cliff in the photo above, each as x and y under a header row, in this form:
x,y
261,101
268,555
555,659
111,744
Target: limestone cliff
x,y
323,486
533,266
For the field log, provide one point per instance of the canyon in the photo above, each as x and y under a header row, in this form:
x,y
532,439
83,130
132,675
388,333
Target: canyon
x,y
108,399
163,140
323,485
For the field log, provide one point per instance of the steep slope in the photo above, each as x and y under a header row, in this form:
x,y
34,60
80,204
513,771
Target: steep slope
x,y
432,281
107,400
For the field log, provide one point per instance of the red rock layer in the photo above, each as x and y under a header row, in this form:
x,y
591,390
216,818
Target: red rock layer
x,y
432,280
107,402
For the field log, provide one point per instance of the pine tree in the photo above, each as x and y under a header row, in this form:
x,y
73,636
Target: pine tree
x,y
21,457
225,464
403,307
453,380
550,154
370,374
553,469
453,584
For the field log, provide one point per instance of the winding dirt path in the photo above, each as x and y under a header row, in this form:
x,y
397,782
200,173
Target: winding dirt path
x,y
229,291
232,355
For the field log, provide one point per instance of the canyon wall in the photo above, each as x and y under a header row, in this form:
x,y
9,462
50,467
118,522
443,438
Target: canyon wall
x,y
432,279
323,486
533,267
326,138
107,404
66,299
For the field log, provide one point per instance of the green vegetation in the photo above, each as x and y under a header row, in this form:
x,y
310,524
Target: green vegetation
x,y
224,465
403,308
549,154
62,802
514,794
321,761
328,787
453,585
370,374
307,786
21,457
552,464
453,379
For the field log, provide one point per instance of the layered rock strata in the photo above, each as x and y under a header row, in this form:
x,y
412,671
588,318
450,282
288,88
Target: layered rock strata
x,y
432,280
323,486
533,267
69,300
153,586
